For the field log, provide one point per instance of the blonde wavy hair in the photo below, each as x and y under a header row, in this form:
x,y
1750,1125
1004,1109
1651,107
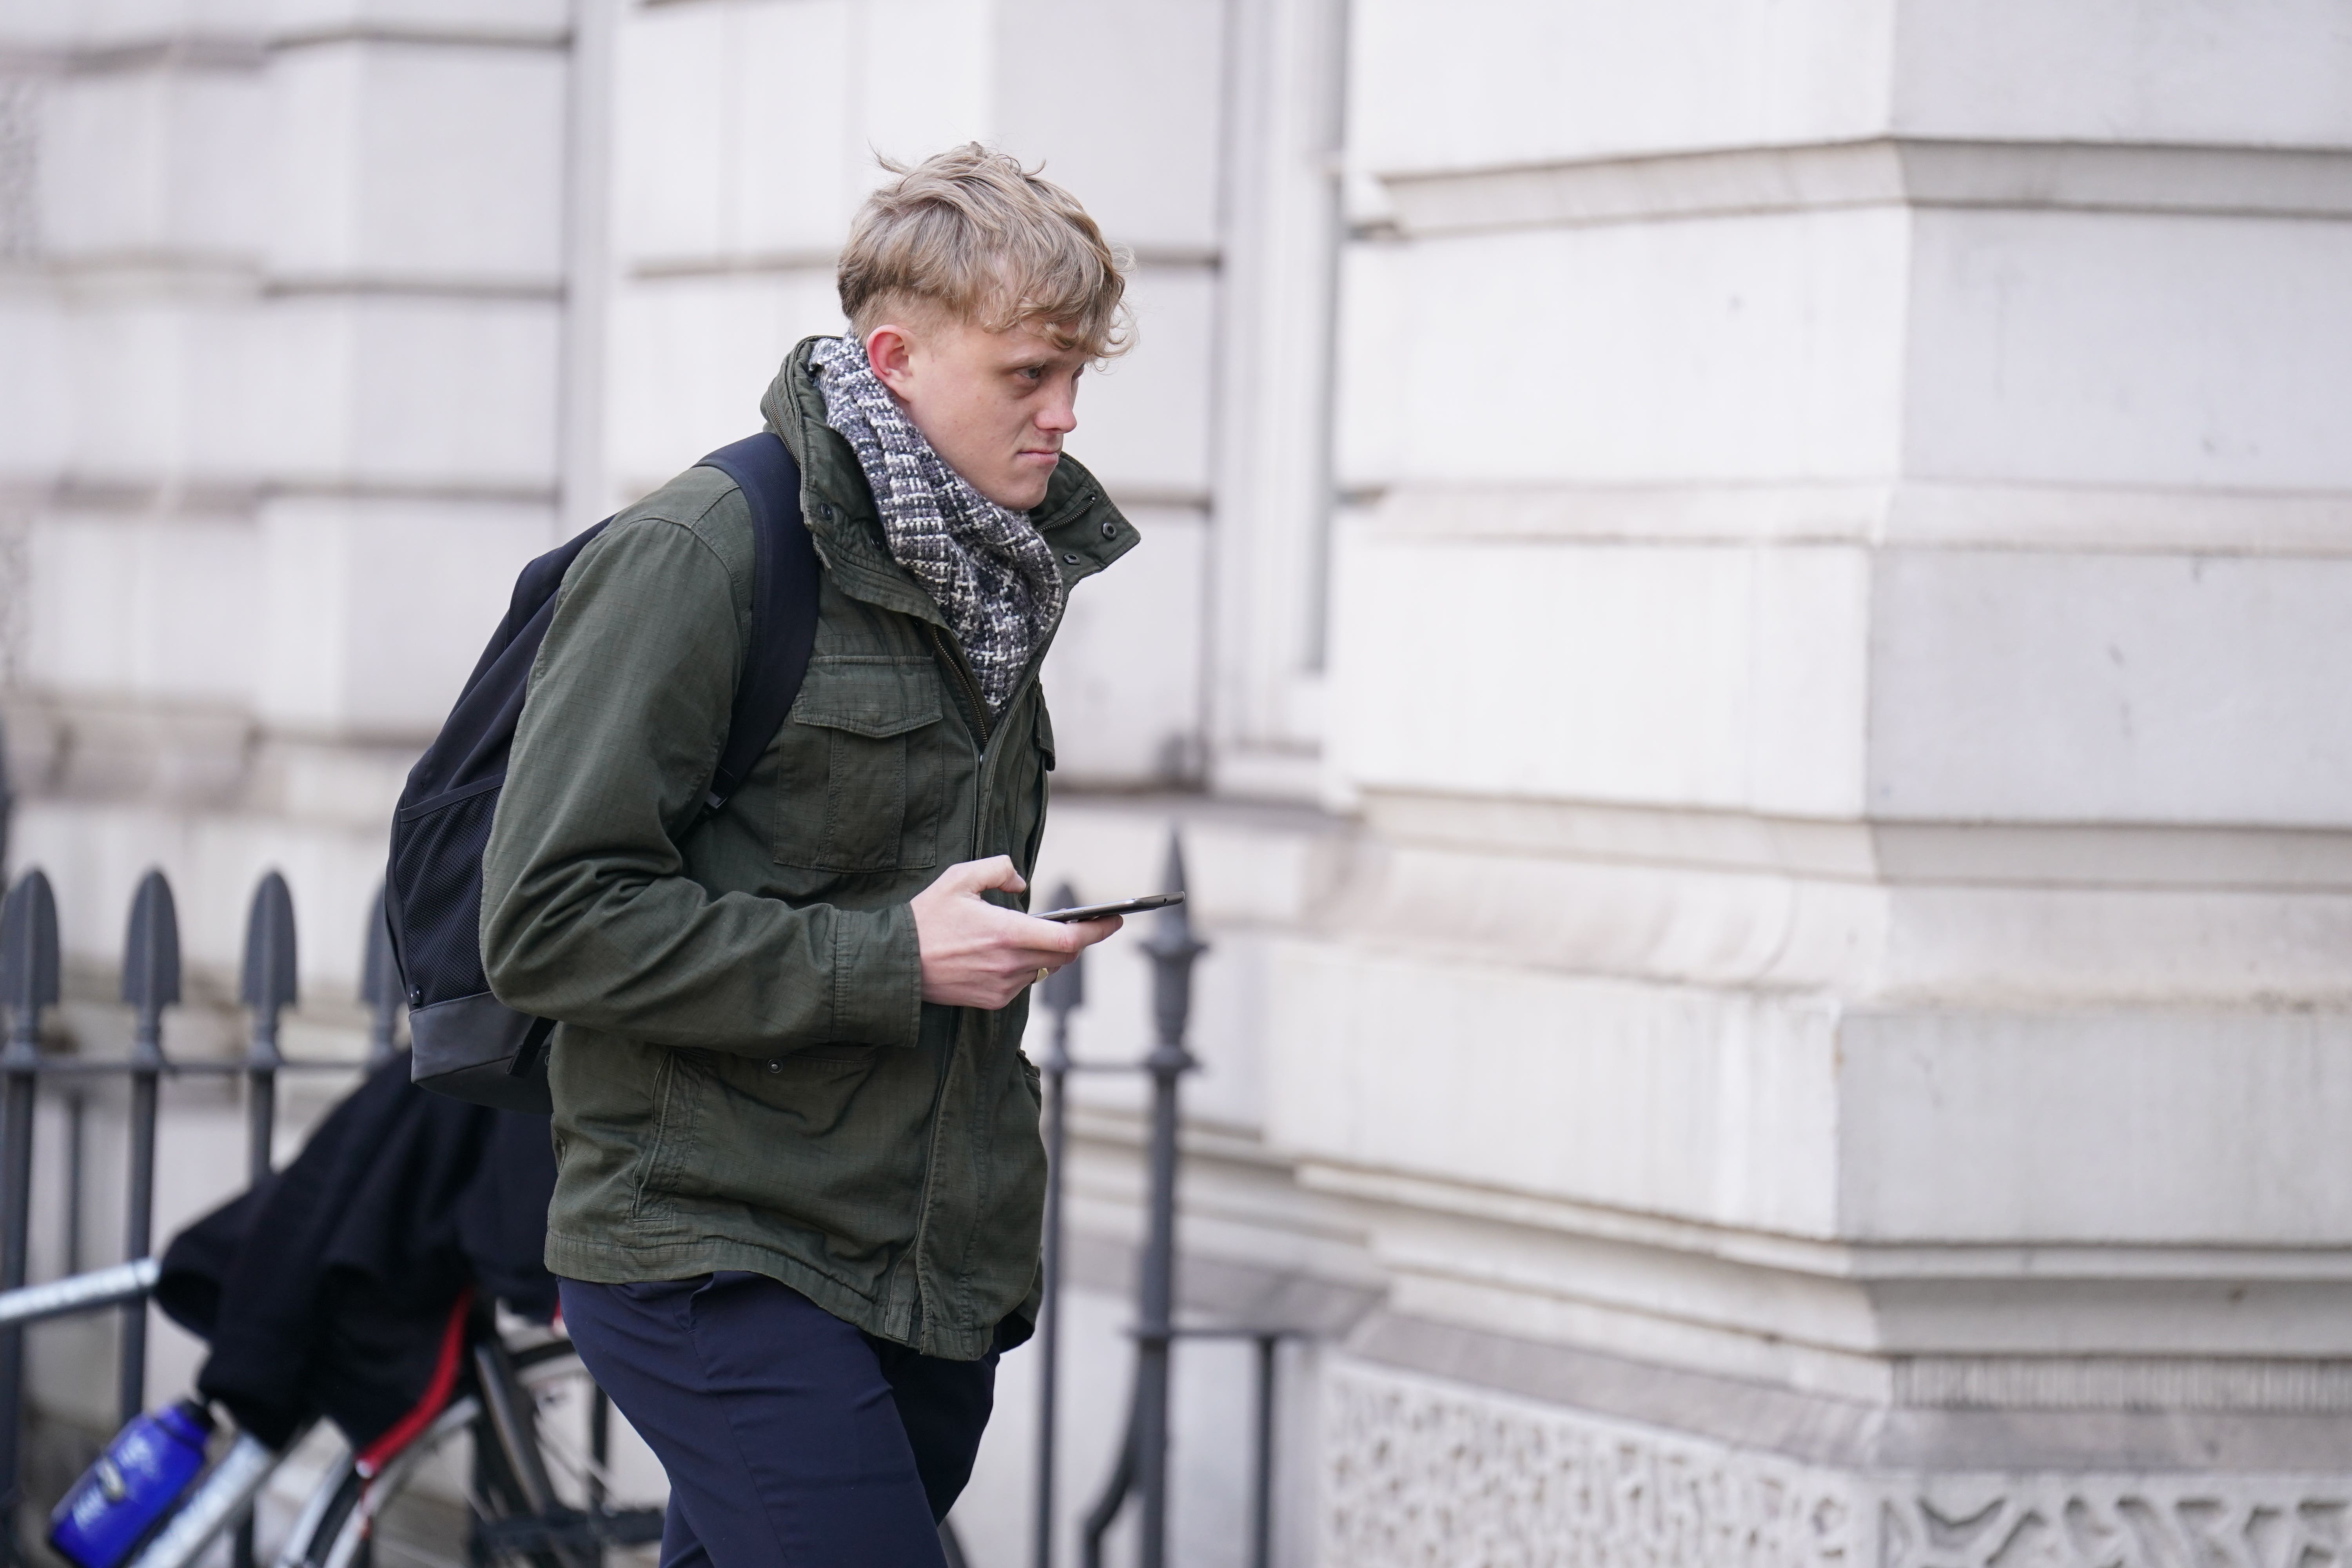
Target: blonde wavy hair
x,y
972,233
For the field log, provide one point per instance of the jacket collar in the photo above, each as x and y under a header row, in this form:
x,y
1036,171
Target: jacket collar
x,y
1077,518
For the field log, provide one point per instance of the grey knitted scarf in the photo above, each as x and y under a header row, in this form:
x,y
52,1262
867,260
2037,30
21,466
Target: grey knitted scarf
x,y
985,567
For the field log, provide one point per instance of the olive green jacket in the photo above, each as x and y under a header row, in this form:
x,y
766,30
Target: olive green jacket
x,y
745,1073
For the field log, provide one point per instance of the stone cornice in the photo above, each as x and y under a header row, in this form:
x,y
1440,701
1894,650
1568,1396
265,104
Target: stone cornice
x,y
1914,512
187,273
659,268
149,498
243,52
1820,1429
2250,181
2105,855
1867,1262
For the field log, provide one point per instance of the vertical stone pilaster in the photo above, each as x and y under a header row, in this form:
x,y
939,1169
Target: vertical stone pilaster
x,y
1856,842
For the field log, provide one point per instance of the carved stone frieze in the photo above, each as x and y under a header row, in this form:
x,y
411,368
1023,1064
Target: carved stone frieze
x,y
2117,1522
1425,1475
1419,1474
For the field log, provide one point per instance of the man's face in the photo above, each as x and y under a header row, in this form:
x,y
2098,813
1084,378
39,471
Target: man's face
x,y
995,405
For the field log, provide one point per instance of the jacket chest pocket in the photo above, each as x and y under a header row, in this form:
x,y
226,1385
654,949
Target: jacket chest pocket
x,y
860,776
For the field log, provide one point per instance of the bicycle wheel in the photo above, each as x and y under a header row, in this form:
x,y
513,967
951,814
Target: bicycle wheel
x,y
467,1494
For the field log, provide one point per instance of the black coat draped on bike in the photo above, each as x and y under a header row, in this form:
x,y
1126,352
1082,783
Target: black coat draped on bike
x,y
339,1287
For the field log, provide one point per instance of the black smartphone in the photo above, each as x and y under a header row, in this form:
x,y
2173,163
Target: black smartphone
x,y
1103,911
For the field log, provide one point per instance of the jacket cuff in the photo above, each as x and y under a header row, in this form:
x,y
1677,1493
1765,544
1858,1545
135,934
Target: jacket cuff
x,y
877,977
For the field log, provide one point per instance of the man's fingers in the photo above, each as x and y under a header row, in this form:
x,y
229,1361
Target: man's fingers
x,y
997,872
975,877
970,876
1076,936
976,953
1092,931
1064,939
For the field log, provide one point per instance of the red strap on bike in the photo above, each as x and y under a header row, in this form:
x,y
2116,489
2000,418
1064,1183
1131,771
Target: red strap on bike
x,y
404,1431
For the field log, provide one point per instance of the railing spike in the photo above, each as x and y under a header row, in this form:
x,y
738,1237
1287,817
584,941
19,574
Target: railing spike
x,y
269,977
29,948
1172,928
151,955
1173,949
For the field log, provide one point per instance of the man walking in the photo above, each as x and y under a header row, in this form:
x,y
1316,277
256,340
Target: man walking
x,y
796,1214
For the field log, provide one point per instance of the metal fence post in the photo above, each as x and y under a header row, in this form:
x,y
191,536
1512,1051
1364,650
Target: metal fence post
x,y
379,984
7,803
1261,1529
77,1147
28,983
1173,951
269,988
150,983
1064,990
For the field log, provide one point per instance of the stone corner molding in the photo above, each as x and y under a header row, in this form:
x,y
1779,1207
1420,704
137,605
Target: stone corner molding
x,y
200,51
2251,181
1415,1473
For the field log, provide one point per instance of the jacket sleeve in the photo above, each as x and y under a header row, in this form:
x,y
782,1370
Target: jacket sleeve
x,y
588,916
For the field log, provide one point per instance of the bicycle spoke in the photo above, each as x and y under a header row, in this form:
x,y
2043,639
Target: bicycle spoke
x,y
461,1462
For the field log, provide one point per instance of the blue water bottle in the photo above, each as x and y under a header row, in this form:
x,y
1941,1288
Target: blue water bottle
x,y
131,1485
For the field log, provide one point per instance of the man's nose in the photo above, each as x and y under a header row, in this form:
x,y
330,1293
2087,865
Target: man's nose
x,y
1059,417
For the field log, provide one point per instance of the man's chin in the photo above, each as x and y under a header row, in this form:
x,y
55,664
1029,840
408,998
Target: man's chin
x,y
1022,496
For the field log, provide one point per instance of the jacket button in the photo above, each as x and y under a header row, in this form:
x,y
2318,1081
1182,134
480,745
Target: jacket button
x,y
1111,530
775,1064
1069,560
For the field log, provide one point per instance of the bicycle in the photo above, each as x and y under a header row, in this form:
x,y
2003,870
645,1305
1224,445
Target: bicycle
x,y
526,1512
524,1443
536,1494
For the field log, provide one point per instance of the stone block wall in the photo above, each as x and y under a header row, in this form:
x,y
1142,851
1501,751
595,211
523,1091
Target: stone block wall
x,y
1850,911
287,286
1738,609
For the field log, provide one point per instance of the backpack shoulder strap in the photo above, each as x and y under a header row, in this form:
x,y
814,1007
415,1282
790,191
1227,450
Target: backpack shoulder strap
x,y
783,605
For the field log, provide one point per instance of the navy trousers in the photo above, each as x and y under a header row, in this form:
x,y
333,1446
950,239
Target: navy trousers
x,y
792,1439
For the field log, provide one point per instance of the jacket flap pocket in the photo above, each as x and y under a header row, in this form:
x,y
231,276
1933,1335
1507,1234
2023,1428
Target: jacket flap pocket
x,y
869,695
1045,734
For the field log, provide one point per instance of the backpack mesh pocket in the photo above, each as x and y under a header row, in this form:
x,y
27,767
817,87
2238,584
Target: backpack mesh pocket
x,y
436,873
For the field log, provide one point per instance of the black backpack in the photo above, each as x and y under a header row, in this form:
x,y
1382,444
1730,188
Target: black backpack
x,y
466,1043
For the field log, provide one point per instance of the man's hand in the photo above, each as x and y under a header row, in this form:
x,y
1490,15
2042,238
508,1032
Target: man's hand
x,y
976,954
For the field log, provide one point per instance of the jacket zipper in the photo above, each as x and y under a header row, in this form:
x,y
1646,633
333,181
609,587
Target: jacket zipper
x,y
971,686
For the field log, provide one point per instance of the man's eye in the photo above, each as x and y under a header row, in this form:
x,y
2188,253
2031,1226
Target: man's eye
x,y
1033,373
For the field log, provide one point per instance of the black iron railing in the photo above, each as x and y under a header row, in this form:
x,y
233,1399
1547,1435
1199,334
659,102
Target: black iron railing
x,y
29,975
29,988
1141,1469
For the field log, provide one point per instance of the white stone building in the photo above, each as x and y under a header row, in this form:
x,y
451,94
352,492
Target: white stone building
x,y
1738,609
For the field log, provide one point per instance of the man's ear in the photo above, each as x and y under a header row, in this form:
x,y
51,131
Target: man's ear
x,y
890,350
